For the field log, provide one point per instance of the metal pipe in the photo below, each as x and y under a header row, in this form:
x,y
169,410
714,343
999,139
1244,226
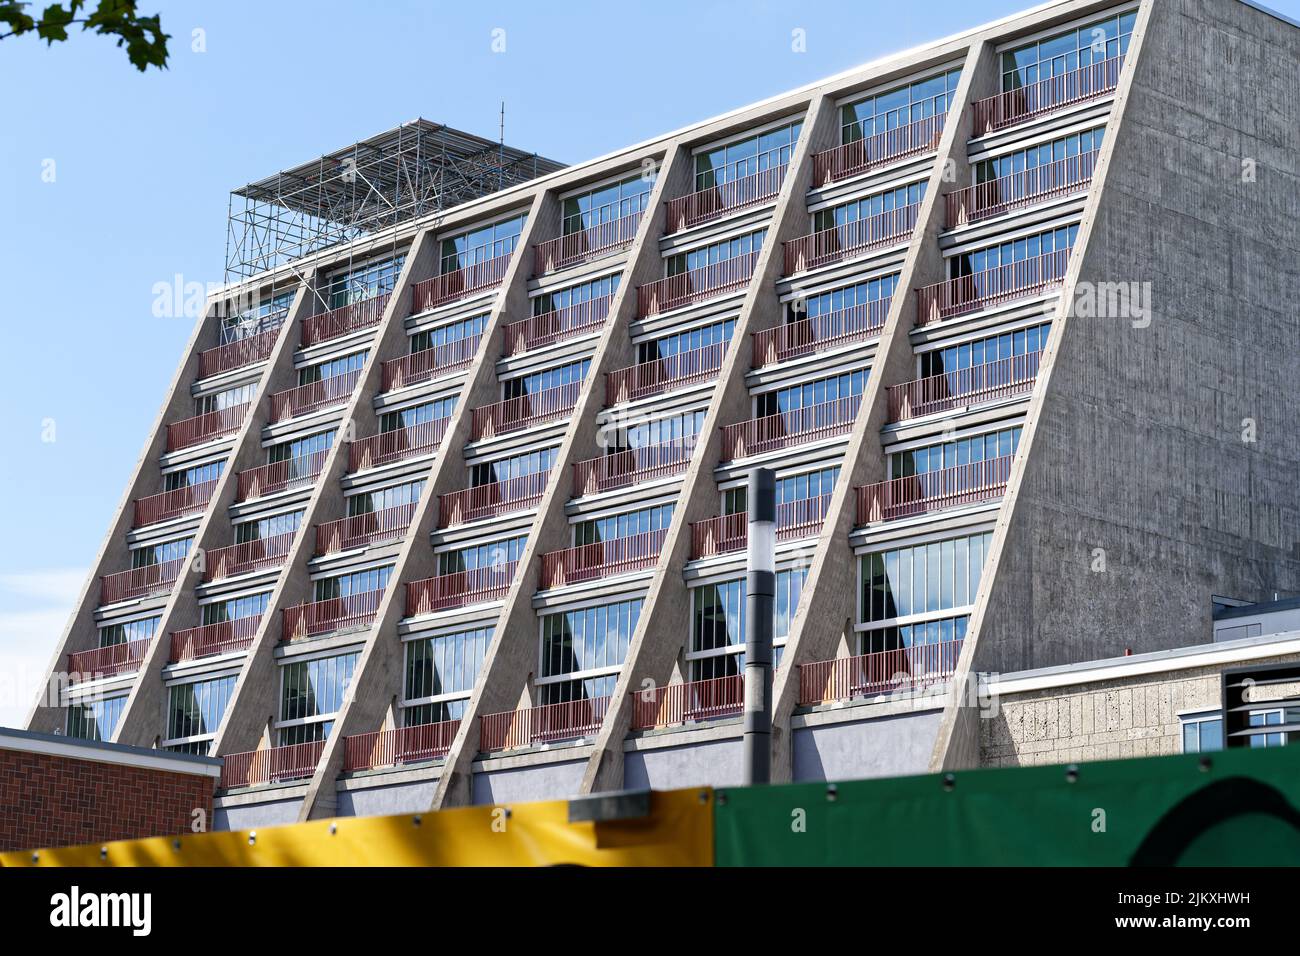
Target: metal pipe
x,y
760,594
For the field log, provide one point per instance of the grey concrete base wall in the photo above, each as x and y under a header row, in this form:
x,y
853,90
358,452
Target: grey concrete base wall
x,y
548,781
272,813
380,801
717,763
884,747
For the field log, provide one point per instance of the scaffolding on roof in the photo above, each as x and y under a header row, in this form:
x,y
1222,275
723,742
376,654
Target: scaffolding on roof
x,y
414,170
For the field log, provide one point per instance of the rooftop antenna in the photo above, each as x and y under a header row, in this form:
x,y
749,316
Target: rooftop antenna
x,y
501,149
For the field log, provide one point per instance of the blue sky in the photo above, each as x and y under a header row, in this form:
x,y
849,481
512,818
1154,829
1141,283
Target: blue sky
x,y
142,166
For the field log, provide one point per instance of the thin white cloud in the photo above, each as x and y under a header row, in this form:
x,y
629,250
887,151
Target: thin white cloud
x,y
34,609
58,586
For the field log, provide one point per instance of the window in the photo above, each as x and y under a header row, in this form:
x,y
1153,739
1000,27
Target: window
x,y
311,693
333,368
547,378
1061,148
440,674
95,719
263,528
575,295
262,318
606,204
963,451
717,647
745,157
235,609
449,333
985,351
436,410
840,300
706,335
195,710
300,449
196,475
359,582
492,554
657,431
479,245
898,107
127,631
381,499
1067,52
362,282
1015,250
868,206
150,555
1202,732
714,252
516,466
807,394
622,525
229,398
581,641
801,487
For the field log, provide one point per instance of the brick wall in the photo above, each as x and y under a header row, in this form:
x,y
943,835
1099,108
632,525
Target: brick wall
x,y
55,800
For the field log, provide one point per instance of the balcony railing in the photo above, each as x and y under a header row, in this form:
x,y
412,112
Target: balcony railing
x,y
933,491
206,427
548,405
677,704
557,325
494,498
726,533
632,466
594,242
882,672
225,637
107,661
716,201
354,612
396,445
601,559
853,238
237,354
313,396
992,287
546,724
402,745
664,375
428,364
274,765
281,475
793,340
1046,96
1025,188
353,317
362,531
191,499
458,283
459,589
784,429
247,556
696,285
1004,378
149,581
859,156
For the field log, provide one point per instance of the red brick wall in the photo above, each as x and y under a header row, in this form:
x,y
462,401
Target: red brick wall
x,y
58,801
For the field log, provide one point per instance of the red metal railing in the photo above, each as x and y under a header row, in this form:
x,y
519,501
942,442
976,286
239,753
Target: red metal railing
x,y
663,375
362,531
934,490
725,533
795,427
593,242
515,413
247,556
273,765
677,704
494,498
601,559
397,444
542,725
1046,96
391,748
333,614
205,427
717,278
458,589
429,363
1004,378
313,396
631,466
557,325
1025,188
840,242
221,638
881,672
148,581
982,290
458,283
807,336
856,157
191,499
697,207
280,475
353,317
237,354
106,661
